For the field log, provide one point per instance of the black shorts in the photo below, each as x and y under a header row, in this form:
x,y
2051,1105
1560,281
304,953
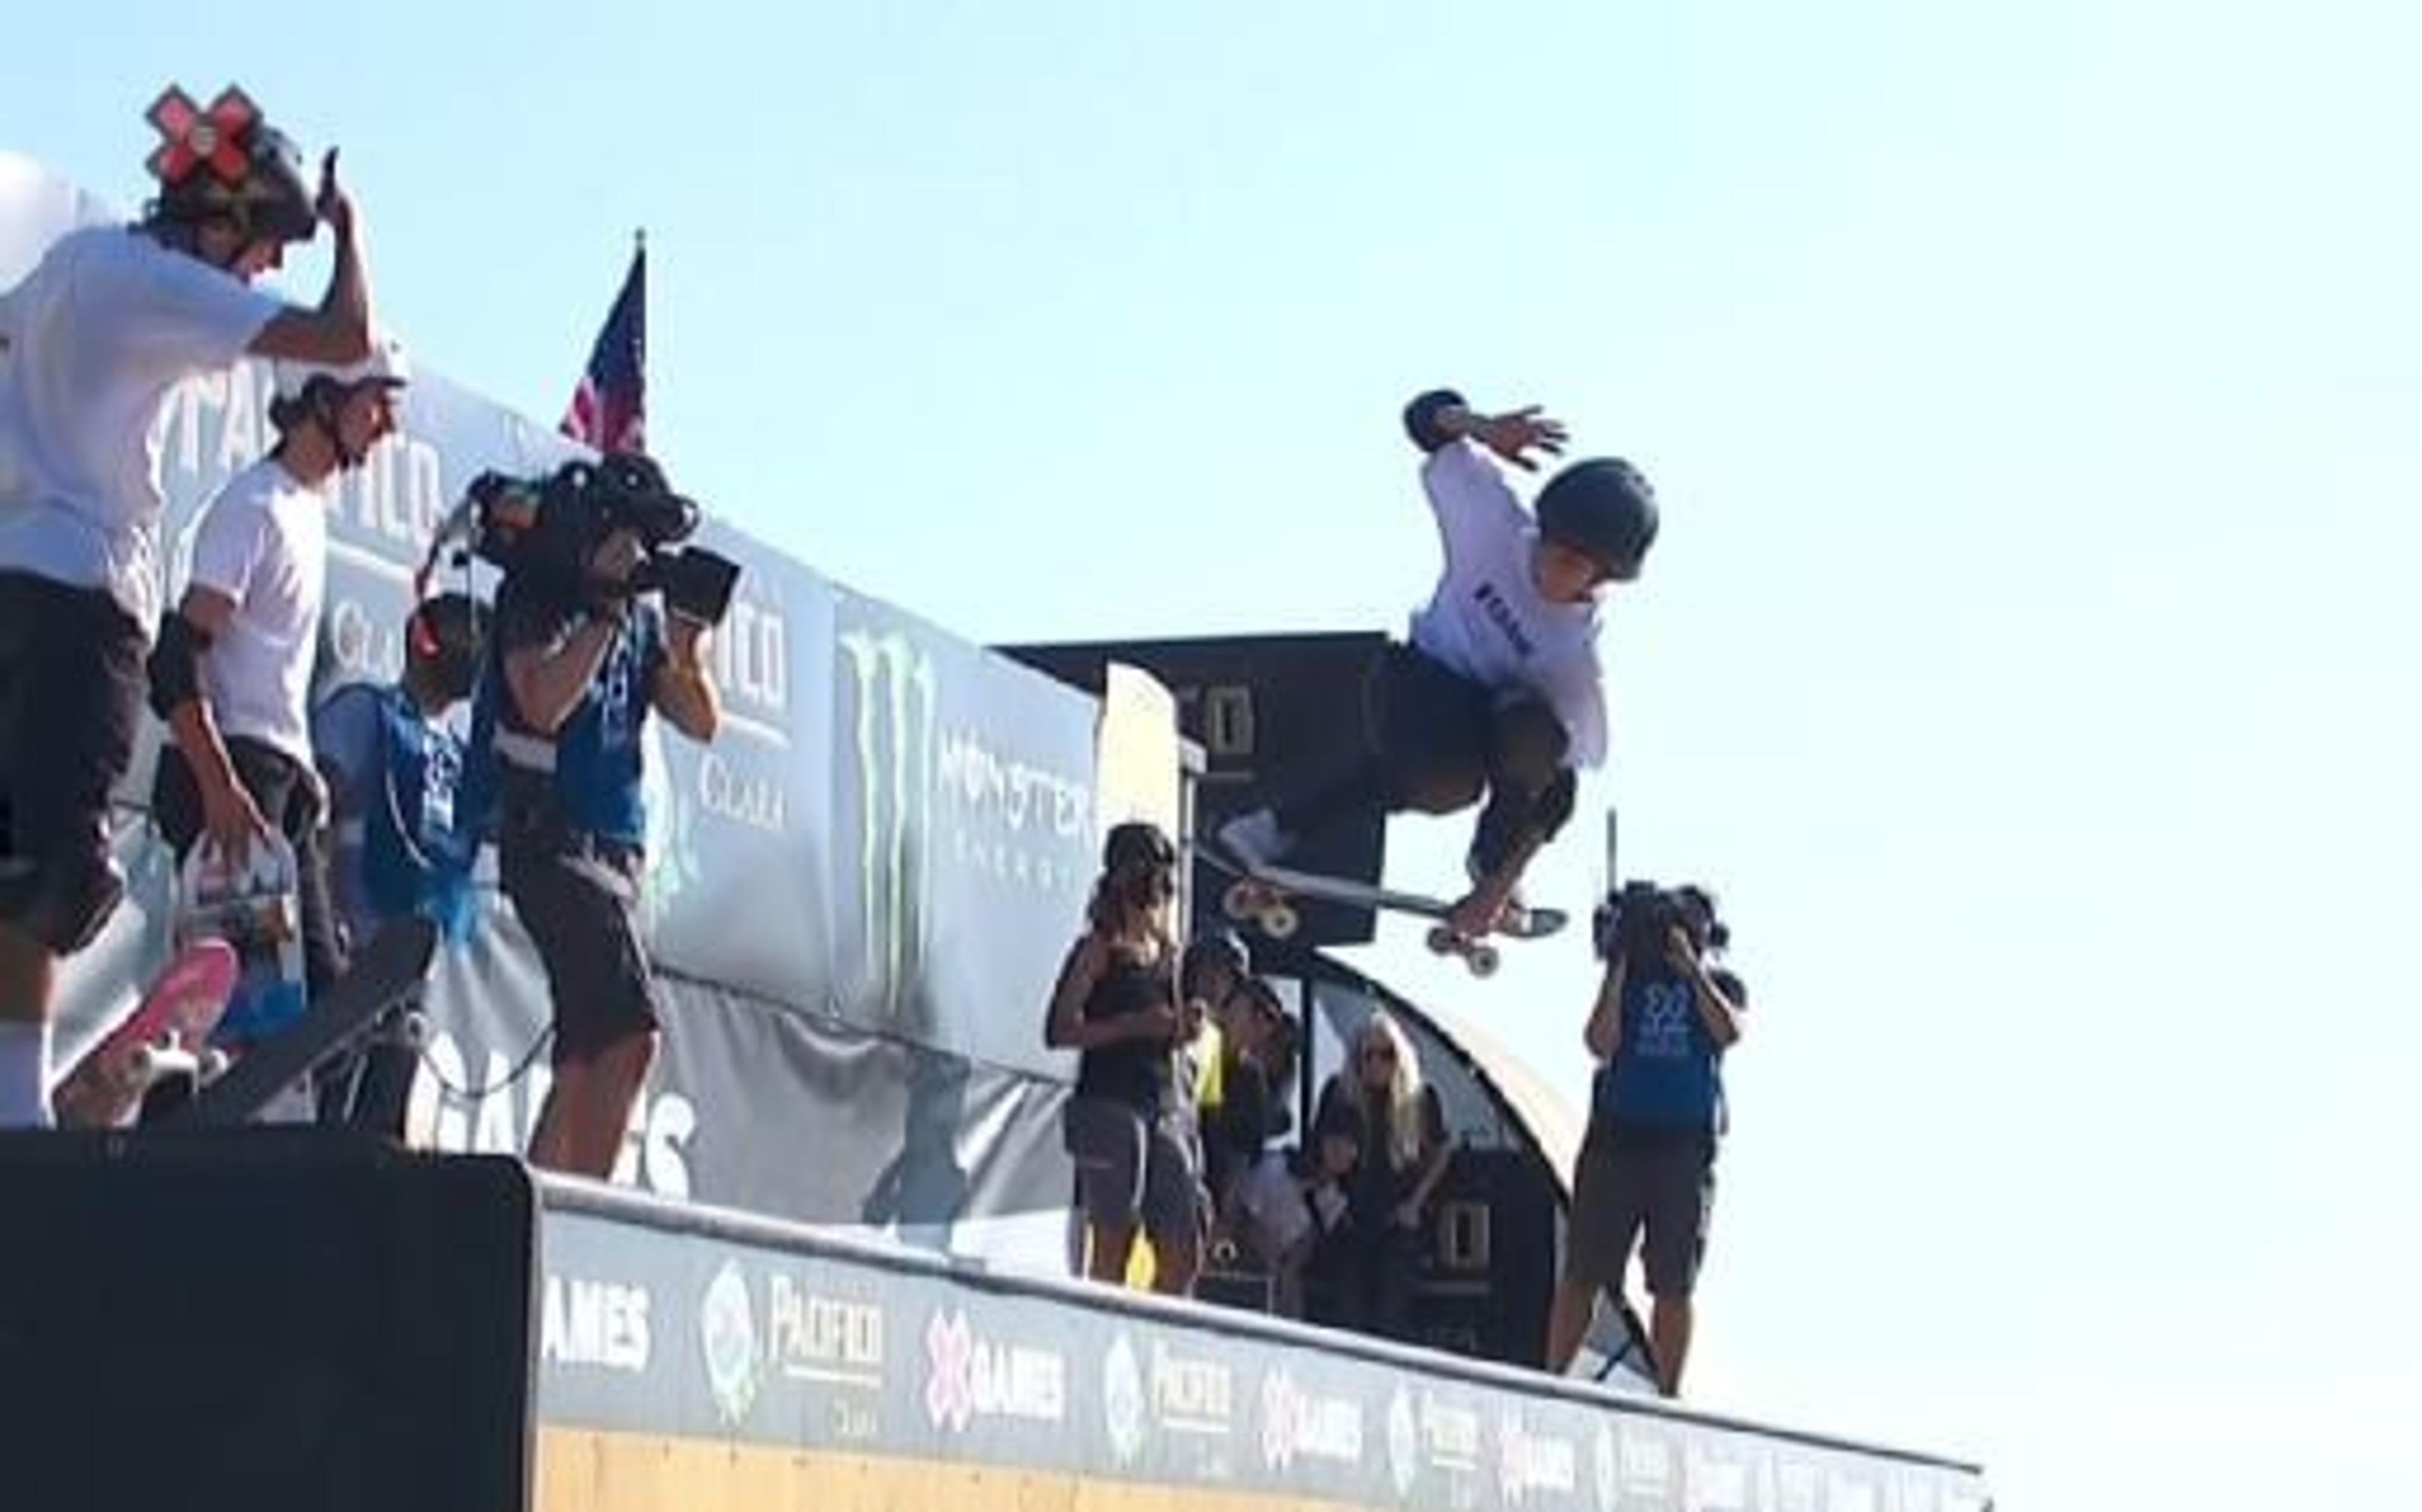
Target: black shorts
x,y
71,696
1628,1180
1435,741
1132,1166
578,896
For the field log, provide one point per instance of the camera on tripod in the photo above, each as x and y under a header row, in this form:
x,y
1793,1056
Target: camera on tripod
x,y
546,531
1640,917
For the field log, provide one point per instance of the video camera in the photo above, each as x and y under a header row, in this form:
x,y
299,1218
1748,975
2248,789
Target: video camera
x,y
547,530
1637,918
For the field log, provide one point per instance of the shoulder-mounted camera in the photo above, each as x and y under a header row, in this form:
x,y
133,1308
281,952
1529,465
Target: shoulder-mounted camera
x,y
1638,919
546,531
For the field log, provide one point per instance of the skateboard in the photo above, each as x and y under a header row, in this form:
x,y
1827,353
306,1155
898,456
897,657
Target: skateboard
x,y
166,1035
256,906
383,976
1261,896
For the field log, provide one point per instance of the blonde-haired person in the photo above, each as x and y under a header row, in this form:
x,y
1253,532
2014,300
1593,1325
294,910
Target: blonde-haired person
x,y
1405,1155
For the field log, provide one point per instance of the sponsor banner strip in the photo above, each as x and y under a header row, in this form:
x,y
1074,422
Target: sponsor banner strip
x,y
700,1336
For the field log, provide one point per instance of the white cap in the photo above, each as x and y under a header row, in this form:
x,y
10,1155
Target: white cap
x,y
385,364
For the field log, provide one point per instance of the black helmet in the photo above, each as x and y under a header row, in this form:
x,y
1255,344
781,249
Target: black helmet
x,y
1137,843
229,163
1601,507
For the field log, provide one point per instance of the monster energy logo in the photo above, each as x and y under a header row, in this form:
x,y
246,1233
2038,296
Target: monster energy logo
x,y
896,738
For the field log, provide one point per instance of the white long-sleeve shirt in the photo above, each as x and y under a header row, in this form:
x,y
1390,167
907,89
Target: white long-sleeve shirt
x,y
1485,619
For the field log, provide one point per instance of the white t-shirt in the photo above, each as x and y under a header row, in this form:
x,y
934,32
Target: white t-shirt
x,y
263,542
90,344
1485,619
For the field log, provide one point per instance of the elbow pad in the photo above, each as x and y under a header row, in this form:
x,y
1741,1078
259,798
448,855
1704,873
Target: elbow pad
x,y
175,666
1421,417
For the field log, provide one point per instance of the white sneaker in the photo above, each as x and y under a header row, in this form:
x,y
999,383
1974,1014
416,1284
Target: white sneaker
x,y
1255,840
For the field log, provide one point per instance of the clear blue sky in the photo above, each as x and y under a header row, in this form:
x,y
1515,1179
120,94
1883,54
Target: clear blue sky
x,y
2030,658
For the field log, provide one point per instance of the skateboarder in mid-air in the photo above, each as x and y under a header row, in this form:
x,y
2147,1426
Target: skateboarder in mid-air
x,y
1499,688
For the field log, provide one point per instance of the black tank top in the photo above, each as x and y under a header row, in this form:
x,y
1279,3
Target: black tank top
x,y
1138,1073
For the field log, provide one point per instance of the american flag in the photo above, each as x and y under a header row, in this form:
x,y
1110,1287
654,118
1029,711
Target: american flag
x,y
608,409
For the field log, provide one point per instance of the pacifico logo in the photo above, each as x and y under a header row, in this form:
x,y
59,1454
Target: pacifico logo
x,y
752,651
1427,1428
1191,1394
814,1336
739,779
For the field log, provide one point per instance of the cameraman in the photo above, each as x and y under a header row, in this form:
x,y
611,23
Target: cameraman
x,y
575,667
1660,1030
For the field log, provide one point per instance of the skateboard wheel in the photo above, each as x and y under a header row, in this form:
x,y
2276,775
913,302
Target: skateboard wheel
x,y
1237,901
1441,940
1483,961
1279,922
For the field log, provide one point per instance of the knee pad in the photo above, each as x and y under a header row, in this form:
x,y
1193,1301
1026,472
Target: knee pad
x,y
64,901
1526,757
1554,805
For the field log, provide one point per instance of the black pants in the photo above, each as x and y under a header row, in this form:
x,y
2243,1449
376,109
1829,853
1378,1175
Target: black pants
x,y
1366,1272
1434,740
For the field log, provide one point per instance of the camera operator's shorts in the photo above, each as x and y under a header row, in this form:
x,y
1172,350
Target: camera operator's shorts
x,y
578,896
1629,1178
1132,1165
71,696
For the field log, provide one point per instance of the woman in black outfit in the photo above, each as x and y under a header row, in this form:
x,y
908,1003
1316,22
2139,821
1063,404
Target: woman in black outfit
x,y
1127,1127
1377,1255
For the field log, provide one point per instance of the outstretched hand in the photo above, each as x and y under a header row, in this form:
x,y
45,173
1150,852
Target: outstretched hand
x,y
332,203
1513,436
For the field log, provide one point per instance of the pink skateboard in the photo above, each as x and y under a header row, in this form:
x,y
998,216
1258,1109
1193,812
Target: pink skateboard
x,y
168,1033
